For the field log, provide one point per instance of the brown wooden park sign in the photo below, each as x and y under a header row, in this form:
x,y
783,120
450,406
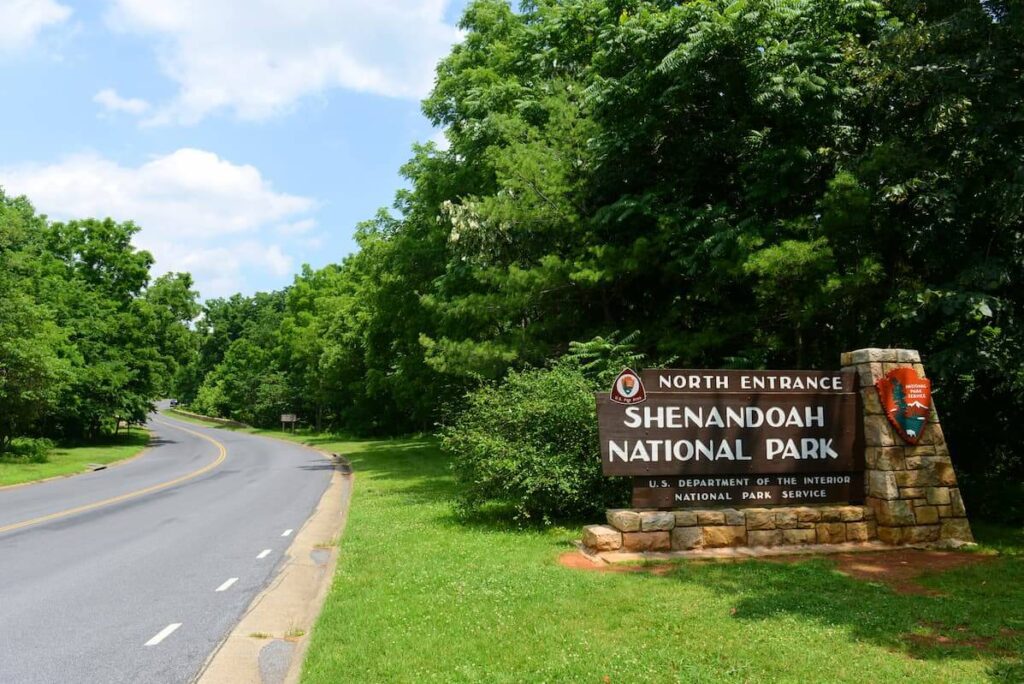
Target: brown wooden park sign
x,y
734,437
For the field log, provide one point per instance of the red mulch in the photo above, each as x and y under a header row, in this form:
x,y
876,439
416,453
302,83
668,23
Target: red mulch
x,y
577,561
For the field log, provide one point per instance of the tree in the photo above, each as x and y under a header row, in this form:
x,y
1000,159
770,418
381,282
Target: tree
x,y
32,371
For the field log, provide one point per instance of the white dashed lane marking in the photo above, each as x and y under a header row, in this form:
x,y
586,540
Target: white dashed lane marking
x,y
263,554
227,584
163,634
286,533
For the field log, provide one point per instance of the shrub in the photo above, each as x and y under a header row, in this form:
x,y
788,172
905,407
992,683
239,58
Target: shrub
x,y
529,446
25,450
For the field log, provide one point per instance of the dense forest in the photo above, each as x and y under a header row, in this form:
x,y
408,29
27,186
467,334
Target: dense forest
x,y
738,184
87,341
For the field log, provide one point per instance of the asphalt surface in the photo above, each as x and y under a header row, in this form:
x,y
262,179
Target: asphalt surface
x,y
81,595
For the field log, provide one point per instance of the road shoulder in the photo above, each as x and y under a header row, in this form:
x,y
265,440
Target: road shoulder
x,y
269,643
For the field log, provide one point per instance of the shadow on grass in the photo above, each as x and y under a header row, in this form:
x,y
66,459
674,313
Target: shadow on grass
x,y
980,614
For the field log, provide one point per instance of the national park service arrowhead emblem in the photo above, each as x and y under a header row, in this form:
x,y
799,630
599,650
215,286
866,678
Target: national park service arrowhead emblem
x,y
907,401
628,388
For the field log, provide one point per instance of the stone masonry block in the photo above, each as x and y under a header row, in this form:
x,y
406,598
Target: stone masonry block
x,y
937,495
882,484
877,432
808,515
867,373
799,536
831,513
857,532
710,518
920,534
733,517
760,519
874,355
725,535
860,356
653,521
908,356
894,513
889,366
685,518
926,515
917,457
646,541
885,458
831,533
624,520
890,535
945,474
764,537
684,538
922,477
956,528
602,537
932,435
956,502
851,513
872,404
786,520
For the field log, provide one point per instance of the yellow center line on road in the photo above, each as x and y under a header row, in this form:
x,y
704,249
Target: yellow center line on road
x,y
222,453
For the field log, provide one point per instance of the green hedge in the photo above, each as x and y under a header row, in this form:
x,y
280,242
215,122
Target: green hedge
x,y
528,447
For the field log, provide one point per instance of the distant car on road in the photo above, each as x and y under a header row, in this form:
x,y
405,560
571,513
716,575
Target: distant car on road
x,y
174,402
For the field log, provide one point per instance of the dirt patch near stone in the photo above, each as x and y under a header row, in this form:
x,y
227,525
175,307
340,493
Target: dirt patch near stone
x,y
899,569
575,560
942,636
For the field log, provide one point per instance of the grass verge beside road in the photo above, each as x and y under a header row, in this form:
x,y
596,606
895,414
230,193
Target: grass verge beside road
x,y
71,459
422,596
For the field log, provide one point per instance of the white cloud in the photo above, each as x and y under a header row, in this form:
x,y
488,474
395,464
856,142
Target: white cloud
x,y
197,212
258,58
113,102
21,21
297,227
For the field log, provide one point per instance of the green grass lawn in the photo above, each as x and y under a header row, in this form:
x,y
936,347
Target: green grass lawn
x,y
421,596
69,459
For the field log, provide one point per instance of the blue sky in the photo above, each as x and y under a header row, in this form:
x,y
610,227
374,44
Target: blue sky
x,y
245,138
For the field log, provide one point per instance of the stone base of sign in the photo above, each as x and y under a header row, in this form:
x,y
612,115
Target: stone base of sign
x,y
912,489
633,530
731,552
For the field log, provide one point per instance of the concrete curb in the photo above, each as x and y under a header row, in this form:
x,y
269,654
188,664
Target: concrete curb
x,y
287,609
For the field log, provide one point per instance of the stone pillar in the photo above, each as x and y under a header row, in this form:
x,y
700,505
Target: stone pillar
x,y
912,489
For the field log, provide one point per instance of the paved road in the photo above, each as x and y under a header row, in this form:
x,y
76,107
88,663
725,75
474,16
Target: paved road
x,y
81,595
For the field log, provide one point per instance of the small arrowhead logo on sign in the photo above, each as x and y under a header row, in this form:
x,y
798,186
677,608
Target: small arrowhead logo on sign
x,y
628,388
907,401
